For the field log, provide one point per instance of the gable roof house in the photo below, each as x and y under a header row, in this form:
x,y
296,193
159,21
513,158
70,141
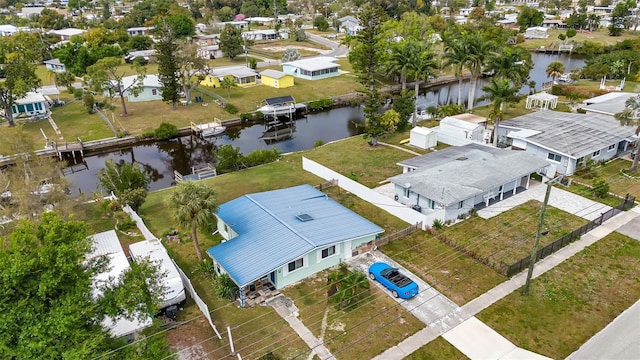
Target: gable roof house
x,y
149,90
607,104
242,75
319,67
32,103
283,236
349,25
447,184
54,65
68,33
566,140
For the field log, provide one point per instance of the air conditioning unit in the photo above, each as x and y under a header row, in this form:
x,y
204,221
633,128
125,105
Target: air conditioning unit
x,y
417,208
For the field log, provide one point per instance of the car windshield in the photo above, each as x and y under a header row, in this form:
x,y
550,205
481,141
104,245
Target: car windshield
x,y
389,272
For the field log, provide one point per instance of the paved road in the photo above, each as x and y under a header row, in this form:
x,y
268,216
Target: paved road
x,y
337,49
620,340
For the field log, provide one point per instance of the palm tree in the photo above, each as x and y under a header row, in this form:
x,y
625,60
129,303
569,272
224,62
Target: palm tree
x,y
347,287
455,54
421,67
512,63
479,51
228,83
193,206
499,91
555,69
400,59
630,116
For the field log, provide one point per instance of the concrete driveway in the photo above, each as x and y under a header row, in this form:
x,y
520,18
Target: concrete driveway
x,y
559,198
430,306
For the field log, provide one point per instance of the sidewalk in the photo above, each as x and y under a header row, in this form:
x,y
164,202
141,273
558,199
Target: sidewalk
x,y
476,341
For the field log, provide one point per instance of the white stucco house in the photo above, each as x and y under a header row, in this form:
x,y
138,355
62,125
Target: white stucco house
x,y
149,90
566,140
54,65
32,103
449,183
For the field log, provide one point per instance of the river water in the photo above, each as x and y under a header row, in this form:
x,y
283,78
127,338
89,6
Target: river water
x,y
160,159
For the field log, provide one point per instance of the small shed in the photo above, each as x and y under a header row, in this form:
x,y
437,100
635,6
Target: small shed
x,y
422,137
276,79
455,131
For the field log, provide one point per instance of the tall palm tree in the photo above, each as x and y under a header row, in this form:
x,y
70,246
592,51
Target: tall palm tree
x,y
499,91
400,59
555,69
630,116
193,207
456,54
228,83
479,51
511,63
421,68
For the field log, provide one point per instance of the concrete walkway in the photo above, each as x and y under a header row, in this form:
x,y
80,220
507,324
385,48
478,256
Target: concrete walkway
x,y
477,342
288,311
559,198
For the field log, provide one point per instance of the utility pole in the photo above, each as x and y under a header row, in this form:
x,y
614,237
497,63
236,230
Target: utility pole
x,y
534,252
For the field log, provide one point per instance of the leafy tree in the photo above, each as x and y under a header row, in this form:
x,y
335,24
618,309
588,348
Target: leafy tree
x,y
51,19
191,66
106,75
19,72
366,58
122,176
231,42
321,23
46,290
630,116
618,16
193,206
555,69
291,54
404,105
168,64
181,24
529,17
229,159
499,91
227,83
249,8
226,13
347,287
139,42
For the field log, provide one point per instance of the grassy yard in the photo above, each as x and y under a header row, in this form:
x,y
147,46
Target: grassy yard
x,y
349,334
573,301
457,276
514,232
587,192
601,36
619,183
74,121
437,349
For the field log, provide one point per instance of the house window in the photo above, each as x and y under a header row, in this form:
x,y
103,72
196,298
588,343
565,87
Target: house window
x,y
331,250
154,92
460,204
611,147
431,204
407,191
296,264
554,157
596,153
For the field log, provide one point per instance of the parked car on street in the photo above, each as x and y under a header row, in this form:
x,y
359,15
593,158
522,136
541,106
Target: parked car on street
x,y
399,284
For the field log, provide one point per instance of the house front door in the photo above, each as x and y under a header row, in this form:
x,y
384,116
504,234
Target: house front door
x,y
272,277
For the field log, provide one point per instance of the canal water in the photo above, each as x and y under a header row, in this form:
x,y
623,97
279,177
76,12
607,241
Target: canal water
x,y
161,159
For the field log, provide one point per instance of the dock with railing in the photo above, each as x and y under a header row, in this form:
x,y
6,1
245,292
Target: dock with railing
x,y
199,172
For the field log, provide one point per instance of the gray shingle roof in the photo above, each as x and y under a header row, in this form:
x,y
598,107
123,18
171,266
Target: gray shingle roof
x,y
572,134
448,177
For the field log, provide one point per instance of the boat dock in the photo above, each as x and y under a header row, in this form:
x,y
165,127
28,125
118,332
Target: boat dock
x,y
209,129
198,172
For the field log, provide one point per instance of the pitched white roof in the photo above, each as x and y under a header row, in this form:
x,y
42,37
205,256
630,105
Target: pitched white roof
x,y
237,71
68,32
30,98
148,81
453,122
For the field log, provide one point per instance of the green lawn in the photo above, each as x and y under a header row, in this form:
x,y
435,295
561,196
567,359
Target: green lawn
x,y
611,173
437,349
74,121
601,36
572,302
348,334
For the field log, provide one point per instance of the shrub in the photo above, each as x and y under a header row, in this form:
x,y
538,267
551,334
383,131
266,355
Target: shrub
x,y
230,108
319,104
125,224
318,143
571,33
148,134
166,131
600,189
89,103
225,288
134,198
562,37
581,111
77,94
261,156
437,224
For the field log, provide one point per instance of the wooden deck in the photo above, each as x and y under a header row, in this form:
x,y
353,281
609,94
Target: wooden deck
x,y
199,172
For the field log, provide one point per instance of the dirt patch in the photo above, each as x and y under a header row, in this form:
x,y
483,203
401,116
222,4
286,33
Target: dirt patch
x,y
337,326
283,48
189,341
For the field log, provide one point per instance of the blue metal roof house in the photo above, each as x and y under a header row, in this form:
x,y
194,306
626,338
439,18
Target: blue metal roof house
x,y
283,236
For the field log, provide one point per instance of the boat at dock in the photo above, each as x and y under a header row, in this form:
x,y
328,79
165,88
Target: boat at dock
x,y
209,129
281,106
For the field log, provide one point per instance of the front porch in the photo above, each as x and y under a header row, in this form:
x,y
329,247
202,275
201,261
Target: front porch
x,y
490,200
258,293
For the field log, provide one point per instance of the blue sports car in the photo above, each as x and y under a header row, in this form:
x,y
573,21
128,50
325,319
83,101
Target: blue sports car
x,y
400,285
